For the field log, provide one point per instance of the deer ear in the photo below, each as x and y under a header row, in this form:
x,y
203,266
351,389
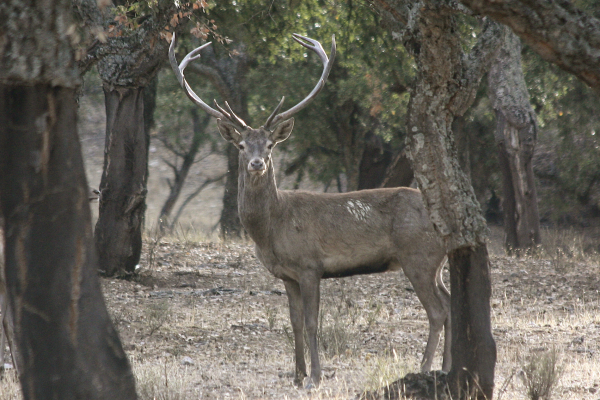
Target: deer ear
x,y
282,131
229,132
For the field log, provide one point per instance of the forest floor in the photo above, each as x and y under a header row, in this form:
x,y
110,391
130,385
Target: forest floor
x,y
204,320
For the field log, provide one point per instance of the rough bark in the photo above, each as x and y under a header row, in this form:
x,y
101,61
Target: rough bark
x,y
123,185
556,29
228,75
516,130
447,80
471,323
129,64
65,339
67,347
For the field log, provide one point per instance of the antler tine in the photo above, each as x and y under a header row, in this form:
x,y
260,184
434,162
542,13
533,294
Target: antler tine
x,y
178,70
230,115
327,65
274,113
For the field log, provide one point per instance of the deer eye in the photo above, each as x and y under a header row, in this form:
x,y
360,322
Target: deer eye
x,y
241,146
270,146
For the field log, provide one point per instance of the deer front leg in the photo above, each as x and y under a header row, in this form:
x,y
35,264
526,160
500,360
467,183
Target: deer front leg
x,y
297,318
310,289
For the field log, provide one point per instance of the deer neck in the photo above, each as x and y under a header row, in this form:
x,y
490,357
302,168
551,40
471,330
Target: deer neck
x,y
257,202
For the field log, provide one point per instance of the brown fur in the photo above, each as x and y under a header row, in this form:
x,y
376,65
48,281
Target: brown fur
x,y
303,237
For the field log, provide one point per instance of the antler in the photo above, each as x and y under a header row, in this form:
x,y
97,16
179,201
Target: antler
x,y
274,119
178,69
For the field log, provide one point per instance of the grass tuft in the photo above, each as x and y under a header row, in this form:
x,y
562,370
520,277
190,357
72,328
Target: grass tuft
x,y
541,375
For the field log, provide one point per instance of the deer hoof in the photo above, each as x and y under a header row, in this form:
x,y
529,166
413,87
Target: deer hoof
x,y
312,384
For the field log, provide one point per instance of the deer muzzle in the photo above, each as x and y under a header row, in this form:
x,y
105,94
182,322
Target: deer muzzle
x,y
257,166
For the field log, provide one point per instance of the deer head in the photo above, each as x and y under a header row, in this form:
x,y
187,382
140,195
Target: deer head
x,y
255,145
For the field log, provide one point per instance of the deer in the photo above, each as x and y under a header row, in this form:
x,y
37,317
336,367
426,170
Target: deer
x,y
302,237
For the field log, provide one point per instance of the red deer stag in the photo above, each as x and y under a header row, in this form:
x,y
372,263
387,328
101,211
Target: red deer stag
x,y
303,237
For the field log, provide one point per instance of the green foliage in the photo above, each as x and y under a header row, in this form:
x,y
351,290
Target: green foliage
x,y
366,86
568,140
173,111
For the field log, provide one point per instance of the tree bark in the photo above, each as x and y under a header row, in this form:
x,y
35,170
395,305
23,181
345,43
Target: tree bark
x,y
123,184
67,347
516,131
471,324
446,84
556,29
129,64
66,342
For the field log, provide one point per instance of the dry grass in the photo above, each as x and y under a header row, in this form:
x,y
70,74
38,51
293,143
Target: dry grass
x,y
205,320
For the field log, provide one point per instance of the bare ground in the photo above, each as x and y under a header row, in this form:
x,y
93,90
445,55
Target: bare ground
x,y
212,317
205,320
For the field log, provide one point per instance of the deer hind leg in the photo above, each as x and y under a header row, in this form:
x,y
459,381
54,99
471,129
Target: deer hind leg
x,y
2,334
297,318
436,301
310,289
445,294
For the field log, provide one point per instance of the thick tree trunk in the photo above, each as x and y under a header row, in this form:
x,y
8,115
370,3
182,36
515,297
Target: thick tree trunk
x,y
516,132
67,344
447,80
123,184
471,324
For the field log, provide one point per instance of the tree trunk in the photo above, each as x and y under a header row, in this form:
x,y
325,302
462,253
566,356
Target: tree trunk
x,y
65,338
123,184
446,84
228,74
67,347
182,172
471,324
231,226
516,132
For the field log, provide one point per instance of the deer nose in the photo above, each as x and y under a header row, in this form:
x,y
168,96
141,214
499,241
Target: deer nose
x,y
257,164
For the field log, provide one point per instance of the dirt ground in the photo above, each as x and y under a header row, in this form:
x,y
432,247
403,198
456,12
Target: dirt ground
x,y
204,320
211,316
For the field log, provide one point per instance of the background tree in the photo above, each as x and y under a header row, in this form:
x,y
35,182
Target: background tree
x,y
227,72
66,342
516,135
133,53
361,107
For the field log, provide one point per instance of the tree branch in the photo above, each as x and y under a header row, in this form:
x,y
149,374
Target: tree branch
x,y
557,30
476,63
213,75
